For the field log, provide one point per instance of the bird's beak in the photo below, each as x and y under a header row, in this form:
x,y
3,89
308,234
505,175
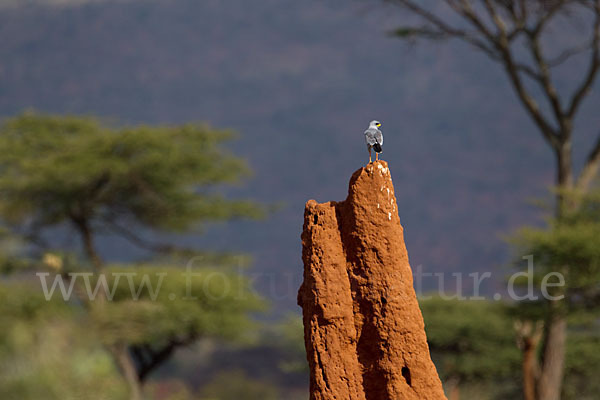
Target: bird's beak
x,y
378,125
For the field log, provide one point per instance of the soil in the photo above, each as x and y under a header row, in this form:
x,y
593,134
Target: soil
x,y
363,329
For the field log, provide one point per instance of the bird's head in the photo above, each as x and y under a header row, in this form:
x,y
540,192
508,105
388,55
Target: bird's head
x,y
375,124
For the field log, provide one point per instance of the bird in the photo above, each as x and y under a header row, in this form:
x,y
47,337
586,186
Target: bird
x,y
374,139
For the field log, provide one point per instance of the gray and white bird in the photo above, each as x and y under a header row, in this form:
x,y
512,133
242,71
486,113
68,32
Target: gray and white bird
x,y
374,139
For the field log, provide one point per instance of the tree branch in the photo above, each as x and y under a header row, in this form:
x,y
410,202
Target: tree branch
x,y
590,168
163,248
510,20
151,358
466,11
527,100
546,81
444,28
544,19
594,65
565,55
498,22
512,69
498,48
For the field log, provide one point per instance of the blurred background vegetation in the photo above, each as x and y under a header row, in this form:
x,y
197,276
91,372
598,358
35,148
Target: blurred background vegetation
x,y
111,179
119,333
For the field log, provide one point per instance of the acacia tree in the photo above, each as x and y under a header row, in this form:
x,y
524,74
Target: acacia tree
x,y
512,33
78,173
471,343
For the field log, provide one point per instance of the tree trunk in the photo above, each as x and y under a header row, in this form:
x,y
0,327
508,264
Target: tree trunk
x,y
564,176
88,242
128,371
119,352
550,382
529,368
528,338
553,358
454,389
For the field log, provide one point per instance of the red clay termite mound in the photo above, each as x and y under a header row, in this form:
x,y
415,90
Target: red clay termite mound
x,y
363,328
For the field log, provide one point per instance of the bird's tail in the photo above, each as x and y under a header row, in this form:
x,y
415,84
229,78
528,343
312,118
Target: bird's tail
x,y
377,147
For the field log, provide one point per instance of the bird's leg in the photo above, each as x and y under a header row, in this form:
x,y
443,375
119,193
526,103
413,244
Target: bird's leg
x,y
370,160
376,156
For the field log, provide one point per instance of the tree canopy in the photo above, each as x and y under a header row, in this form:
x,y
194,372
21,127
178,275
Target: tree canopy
x,y
58,169
96,178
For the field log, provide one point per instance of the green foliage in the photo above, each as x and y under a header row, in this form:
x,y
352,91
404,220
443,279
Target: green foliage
x,y
55,169
235,385
158,304
568,245
46,352
291,333
12,255
287,336
581,365
470,340
97,178
62,347
582,356
473,346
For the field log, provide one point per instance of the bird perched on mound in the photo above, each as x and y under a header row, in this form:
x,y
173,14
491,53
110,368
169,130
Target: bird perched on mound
x,y
374,139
